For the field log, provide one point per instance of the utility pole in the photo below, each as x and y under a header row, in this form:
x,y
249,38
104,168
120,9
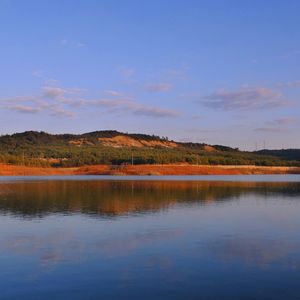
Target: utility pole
x,y
131,158
23,162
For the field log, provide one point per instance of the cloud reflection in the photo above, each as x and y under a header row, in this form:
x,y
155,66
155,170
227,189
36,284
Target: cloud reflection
x,y
253,251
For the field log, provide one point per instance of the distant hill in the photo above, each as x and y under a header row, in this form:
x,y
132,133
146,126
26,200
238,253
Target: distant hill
x,y
287,154
113,147
91,138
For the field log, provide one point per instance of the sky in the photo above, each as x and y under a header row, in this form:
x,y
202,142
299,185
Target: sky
x,y
213,71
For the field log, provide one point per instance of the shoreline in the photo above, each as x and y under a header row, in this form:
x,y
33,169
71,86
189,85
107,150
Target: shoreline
x,y
156,170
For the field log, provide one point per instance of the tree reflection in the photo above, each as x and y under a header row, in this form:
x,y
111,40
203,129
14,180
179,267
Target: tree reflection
x,y
114,198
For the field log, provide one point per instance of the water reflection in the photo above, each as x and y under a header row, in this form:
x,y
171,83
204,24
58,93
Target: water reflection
x,y
150,240
253,251
104,198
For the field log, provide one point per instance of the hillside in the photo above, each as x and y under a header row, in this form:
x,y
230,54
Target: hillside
x,y
287,154
33,148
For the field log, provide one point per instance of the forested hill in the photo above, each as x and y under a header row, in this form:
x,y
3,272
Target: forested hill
x,y
113,147
288,154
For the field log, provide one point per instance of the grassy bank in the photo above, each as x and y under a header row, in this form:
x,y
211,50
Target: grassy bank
x,y
13,170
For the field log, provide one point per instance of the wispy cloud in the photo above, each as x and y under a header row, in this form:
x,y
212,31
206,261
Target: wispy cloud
x,y
245,99
290,84
18,99
198,130
125,105
158,87
71,96
36,106
277,125
114,93
290,54
57,111
53,92
80,45
155,112
61,101
282,121
51,100
38,73
66,42
271,129
197,117
127,74
24,109
175,73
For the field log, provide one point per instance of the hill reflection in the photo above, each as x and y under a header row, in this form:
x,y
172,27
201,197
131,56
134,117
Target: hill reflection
x,y
115,198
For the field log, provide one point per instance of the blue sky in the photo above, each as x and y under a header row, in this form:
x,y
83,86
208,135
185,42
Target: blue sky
x,y
219,72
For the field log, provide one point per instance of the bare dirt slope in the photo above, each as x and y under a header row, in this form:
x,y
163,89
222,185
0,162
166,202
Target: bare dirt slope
x,y
125,141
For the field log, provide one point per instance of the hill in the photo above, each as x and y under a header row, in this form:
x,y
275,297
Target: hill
x,y
34,148
287,154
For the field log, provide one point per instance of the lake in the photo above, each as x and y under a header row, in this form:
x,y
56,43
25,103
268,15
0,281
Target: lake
x,y
186,237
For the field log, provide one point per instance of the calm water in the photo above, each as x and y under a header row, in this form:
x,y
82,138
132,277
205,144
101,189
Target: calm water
x,y
155,239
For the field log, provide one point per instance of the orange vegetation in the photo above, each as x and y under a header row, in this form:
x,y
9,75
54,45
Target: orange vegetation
x,y
7,170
